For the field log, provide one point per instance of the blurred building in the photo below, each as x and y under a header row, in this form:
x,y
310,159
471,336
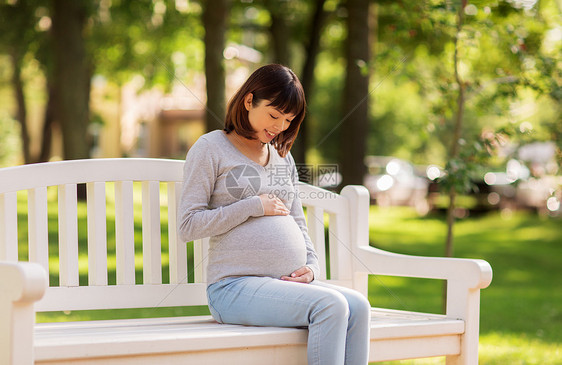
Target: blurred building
x,y
154,124
150,123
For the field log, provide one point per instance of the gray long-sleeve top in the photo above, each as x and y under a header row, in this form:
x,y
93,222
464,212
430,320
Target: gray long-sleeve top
x,y
220,200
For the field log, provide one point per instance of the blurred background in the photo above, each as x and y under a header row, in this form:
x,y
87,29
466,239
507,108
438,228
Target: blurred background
x,y
449,111
404,97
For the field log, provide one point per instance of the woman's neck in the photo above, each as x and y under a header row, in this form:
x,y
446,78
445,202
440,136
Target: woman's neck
x,y
254,145
254,149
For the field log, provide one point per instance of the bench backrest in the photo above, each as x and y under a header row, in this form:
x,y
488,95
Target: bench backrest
x,y
133,193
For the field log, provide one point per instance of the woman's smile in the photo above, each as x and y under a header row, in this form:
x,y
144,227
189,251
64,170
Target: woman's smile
x,y
270,134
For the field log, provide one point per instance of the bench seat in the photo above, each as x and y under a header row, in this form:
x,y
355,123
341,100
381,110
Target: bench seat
x,y
181,339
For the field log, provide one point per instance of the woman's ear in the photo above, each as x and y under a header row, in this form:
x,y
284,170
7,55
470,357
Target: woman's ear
x,y
248,101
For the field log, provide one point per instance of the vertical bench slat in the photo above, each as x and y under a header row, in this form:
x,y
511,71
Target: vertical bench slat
x,y
9,227
68,235
177,249
340,248
200,259
124,233
97,234
38,232
315,223
151,239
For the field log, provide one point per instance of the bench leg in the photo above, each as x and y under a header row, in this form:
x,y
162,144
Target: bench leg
x,y
465,303
16,339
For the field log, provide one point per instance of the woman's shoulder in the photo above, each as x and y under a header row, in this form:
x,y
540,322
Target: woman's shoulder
x,y
208,142
208,152
213,137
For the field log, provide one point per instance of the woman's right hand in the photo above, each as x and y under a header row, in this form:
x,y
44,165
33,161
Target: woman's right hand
x,y
272,205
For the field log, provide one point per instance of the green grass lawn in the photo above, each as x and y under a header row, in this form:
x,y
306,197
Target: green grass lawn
x,y
521,312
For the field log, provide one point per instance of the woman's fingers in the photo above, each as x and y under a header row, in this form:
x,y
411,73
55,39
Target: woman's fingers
x,y
272,205
302,275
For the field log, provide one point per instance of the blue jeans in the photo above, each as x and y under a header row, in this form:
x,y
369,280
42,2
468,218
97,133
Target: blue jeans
x,y
338,319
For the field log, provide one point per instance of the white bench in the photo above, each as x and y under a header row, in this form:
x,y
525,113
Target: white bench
x,y
24,287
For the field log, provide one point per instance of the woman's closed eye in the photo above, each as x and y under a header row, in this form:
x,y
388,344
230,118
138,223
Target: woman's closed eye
x,y
274,117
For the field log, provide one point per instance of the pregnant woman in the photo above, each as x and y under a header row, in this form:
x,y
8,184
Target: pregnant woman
x,y
240,190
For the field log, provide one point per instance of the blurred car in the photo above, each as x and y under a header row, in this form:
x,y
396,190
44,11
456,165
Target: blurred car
x,y
392,181
517,189
531,180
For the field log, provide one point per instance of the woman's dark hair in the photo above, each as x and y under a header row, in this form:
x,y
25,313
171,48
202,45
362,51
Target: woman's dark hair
x,y
281,87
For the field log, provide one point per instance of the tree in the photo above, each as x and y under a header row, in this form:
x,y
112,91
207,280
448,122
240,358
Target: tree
x,y
317,20
458,124
72,74
285,30
215,13
44,54
280,31
17,28
356,93
481,79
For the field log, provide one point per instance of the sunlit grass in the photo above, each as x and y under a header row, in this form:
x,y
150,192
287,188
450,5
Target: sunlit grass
x,y
521,311
501,348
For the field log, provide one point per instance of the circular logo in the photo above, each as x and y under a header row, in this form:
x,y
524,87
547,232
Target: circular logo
x,y
243,181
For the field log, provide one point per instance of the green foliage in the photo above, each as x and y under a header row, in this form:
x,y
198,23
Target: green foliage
x,y
17,26
151,38
324,111
464,171
505,50
398,110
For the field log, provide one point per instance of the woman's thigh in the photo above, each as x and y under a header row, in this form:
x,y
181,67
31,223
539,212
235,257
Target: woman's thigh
x,y
262,301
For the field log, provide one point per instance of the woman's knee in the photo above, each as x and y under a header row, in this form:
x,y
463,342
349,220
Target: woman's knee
x,y
359,306
333,304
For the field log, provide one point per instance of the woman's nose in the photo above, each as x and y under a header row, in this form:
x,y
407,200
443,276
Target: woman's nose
x,y
281,125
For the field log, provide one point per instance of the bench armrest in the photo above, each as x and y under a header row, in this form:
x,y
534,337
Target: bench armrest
x,y
464,277
472,273
21,284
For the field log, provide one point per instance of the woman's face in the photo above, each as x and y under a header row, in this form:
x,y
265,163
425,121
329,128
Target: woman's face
x,y
266,120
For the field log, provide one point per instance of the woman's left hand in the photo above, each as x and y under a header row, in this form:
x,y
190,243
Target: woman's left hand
x,y
302,275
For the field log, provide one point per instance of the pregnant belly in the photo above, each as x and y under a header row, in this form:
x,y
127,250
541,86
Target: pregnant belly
x,y
265,246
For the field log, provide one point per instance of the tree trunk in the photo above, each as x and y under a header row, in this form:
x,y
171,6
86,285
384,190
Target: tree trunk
x,y
307,77
454,148
48,123
215,14
280,32
71,76
21,114
356,94
17,31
